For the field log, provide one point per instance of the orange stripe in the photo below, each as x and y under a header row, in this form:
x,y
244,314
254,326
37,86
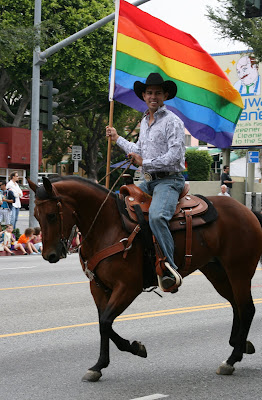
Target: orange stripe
x,y
170,48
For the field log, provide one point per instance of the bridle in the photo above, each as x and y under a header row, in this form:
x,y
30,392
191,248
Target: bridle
x,y
123,246
65,243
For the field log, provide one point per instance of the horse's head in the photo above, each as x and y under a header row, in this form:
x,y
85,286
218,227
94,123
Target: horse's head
x,y
56,219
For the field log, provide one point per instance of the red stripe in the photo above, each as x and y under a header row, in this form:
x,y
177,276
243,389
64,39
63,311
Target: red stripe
x,y
170,48
155,25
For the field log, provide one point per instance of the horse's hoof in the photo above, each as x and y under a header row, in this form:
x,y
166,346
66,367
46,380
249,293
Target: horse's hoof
x,y
225,369
140,349
92,376
250,349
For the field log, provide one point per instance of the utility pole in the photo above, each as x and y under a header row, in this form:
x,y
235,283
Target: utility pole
x,y
34,155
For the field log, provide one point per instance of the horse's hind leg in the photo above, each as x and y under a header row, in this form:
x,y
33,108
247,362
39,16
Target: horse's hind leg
x,y
246,311
242,314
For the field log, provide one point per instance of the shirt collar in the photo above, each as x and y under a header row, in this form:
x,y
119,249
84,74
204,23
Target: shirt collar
x,y
159,111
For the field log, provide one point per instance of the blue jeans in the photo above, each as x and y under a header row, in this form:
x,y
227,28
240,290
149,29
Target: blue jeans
x,y
165,193
14,217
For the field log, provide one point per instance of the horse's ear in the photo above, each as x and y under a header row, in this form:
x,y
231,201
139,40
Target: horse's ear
x,y
48,186
31,184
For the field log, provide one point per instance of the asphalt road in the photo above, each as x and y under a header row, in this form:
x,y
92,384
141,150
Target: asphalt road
x,y
49,338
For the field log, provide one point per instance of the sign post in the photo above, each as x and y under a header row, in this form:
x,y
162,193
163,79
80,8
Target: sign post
x,y
76,157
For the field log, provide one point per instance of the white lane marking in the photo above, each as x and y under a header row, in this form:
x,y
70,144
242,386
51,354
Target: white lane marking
x,y
34,266
152,397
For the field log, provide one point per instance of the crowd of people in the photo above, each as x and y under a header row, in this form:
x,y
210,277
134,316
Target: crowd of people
x,y
30,242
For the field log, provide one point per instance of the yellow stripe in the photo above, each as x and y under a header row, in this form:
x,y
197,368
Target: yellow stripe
x,y
47,285
130,317
178,70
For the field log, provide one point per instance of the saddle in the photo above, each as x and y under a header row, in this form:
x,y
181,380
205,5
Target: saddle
x,y
191,205
188,214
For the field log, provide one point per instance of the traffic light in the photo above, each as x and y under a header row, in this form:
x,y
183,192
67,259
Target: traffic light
x,y
253,8
46,117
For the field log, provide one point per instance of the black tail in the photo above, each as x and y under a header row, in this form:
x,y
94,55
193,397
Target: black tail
x,y
259,216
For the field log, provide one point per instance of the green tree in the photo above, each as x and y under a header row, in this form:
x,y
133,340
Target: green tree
x,y
80,72
198,165
229,19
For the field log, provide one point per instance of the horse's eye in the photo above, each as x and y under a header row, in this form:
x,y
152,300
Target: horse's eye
x,y
51,218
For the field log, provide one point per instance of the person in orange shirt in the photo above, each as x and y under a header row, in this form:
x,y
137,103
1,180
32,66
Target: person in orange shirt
x,y
25,241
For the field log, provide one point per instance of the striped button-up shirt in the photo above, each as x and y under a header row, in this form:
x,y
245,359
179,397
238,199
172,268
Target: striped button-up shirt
x,y
161,144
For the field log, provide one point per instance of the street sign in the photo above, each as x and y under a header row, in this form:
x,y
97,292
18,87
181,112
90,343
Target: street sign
x,y
253,156
76,153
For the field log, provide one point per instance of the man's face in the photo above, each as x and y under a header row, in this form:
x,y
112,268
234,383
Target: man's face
x,y
223,189
154,97
15,177
246,72
2,187
227,170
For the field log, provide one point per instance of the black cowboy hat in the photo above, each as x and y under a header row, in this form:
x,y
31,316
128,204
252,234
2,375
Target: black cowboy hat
x,y
155,79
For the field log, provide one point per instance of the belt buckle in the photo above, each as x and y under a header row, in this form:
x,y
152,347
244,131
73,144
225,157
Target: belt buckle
x,y
148,177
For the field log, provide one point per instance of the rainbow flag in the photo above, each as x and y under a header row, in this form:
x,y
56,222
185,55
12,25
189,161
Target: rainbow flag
x,y
206,101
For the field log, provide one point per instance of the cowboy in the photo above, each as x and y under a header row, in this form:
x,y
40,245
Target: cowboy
x,y
160,150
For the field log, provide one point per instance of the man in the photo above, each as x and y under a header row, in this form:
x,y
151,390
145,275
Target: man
x,y
13,185
249,79
226,179
223,191
6,204
160,150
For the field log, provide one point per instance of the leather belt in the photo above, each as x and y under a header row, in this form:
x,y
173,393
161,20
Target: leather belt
x,y
158,175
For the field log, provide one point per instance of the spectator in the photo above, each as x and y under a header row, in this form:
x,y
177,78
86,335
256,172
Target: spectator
x,y
226,178
224,191
75,242
13,185
6,204
14,244
5,245
37,239
25,240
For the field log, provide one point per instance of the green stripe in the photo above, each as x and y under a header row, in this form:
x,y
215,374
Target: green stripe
x,y
185,91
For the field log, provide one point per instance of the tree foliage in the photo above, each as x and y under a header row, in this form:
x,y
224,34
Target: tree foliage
x,y
229,19
198,165
80,72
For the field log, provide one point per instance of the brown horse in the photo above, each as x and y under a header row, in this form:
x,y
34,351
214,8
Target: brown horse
x,y
226,251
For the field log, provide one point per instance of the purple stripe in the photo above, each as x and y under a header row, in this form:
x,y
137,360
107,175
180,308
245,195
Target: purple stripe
x,y
198,130
205,132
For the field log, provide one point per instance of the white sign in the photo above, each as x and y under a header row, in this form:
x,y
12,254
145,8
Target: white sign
x,y
245,73
77,153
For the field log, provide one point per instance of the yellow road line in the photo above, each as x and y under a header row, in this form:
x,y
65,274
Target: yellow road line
x,y
128,317
47,285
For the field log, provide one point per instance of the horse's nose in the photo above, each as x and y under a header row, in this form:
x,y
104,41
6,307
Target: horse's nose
x,y
53,258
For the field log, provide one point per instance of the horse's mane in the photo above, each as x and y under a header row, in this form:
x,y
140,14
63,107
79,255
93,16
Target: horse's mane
x,y
41,193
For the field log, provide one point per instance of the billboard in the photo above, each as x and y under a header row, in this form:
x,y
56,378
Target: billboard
x,y
244,72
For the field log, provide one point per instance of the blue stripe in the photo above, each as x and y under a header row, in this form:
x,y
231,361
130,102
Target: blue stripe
x,y
194,112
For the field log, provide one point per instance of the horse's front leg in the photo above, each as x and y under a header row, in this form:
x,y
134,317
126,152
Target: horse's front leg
x,y
109,309
105,325
136,348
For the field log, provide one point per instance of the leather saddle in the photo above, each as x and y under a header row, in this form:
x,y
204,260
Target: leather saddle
x,y
188,205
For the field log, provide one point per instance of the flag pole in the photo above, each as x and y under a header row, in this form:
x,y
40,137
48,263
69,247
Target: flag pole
x,y
111,91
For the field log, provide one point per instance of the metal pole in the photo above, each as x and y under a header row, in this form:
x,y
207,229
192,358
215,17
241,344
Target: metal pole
x,y
58,46
34,156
